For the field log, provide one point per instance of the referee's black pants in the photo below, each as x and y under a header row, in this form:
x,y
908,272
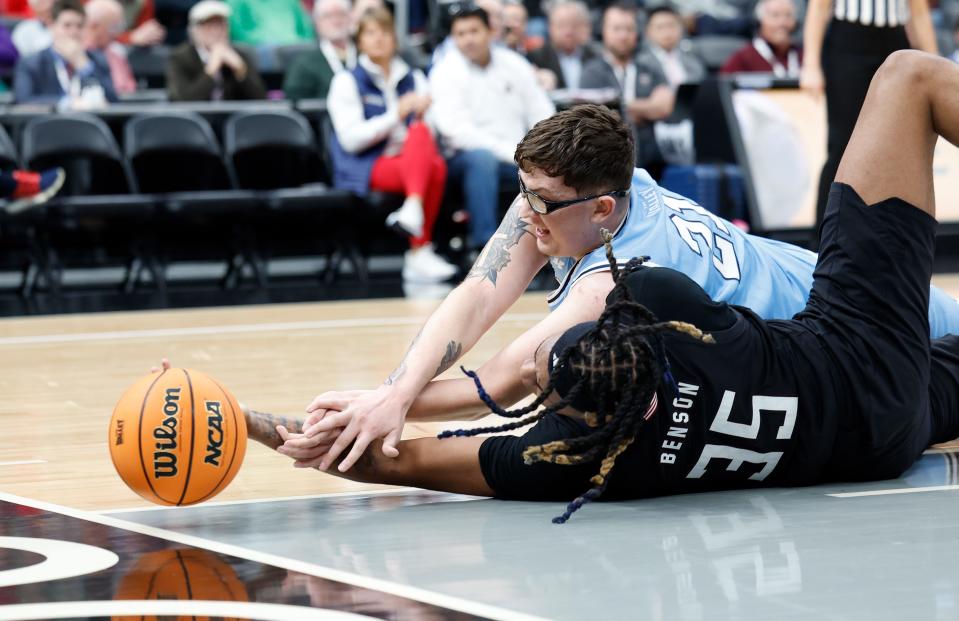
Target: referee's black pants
x,y
851,55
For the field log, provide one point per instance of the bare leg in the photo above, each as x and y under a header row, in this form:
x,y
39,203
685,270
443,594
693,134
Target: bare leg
x,y
450,465
913,99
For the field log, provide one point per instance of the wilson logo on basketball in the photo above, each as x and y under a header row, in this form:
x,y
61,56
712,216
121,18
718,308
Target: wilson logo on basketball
x,y
118,433
164,461
214,434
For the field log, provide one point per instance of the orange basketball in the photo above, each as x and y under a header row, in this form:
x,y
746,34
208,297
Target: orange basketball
x,y
177,437
180,575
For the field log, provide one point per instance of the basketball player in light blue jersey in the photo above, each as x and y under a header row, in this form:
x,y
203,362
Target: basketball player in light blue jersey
x,y
576,178
676,232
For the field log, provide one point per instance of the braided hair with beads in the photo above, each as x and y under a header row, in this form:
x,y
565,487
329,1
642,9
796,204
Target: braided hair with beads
x,y
619,363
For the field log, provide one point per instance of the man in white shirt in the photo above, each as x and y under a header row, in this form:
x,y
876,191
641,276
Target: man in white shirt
x,y
485,99
666,48
31,35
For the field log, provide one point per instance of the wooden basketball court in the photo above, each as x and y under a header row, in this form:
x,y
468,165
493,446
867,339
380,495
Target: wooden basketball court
x,y
282,543
69,371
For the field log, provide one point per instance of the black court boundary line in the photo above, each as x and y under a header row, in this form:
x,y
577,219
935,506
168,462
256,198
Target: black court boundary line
x,y
423,596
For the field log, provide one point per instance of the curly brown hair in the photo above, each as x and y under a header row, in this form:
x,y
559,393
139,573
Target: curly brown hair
x,y
589,146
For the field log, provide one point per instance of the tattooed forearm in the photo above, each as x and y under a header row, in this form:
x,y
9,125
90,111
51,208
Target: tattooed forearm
x,y
495,257
400,370
454,350
262,427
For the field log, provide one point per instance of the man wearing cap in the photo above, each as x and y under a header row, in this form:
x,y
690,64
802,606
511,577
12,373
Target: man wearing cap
x,y
208,67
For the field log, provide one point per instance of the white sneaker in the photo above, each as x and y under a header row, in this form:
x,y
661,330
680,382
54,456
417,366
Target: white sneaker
x,y
424,265
408,218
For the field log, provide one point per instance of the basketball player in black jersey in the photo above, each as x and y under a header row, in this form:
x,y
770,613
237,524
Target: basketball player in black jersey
x,y
670,392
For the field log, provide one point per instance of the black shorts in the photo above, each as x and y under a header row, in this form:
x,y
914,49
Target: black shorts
x,y
870,306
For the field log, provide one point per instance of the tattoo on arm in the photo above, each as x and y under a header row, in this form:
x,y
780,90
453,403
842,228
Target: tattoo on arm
x,y
261,426
495,257
453,351
400,370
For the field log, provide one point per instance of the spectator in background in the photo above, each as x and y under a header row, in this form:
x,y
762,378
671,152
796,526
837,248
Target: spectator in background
x,y
104,22
382,142
360,7
140,27
15,8
65,73
645,94
8,53
270,22
309,76
716,17
208,67
494,10
485,100
772,49
561,60
515,19
666,48
33,35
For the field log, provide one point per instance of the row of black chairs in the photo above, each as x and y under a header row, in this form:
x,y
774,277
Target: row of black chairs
x,y
173,192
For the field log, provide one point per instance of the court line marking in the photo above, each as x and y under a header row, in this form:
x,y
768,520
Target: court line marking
x,y
62,559
248,501
170,608
23,462
898,490
243,328
364,582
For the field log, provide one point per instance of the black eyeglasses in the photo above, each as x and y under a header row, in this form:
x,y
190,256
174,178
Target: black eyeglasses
x,y
542,206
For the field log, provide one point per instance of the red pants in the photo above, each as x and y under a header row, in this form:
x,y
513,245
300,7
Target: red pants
x,y
419,170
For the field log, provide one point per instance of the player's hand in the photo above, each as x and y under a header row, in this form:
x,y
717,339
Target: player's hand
x,y
306,452
364,417
164,366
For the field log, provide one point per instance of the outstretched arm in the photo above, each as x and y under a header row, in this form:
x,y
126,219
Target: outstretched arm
x,y
456,399
501,274
450,465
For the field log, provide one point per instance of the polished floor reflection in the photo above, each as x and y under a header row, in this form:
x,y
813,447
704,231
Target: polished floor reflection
x,y
773,554
882,550
52,566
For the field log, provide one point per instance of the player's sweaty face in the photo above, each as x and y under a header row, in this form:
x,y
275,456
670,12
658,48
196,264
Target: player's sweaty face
x,y
566,232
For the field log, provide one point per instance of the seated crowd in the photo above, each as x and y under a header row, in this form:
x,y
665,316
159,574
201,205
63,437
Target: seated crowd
x,y
400,127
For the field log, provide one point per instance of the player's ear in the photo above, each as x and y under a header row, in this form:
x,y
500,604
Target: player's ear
x,y
605,206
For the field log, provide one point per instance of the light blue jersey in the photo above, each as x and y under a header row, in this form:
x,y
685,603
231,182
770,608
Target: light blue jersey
x,y
770,277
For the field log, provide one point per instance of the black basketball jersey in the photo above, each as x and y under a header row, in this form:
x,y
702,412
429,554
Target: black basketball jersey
x,y
756,407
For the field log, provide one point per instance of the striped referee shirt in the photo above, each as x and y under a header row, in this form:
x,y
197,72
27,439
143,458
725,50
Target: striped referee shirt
x,y
879,13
